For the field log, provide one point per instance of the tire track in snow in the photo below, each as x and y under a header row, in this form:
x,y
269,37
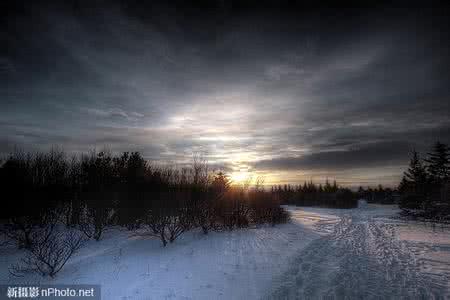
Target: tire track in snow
x,y
360,259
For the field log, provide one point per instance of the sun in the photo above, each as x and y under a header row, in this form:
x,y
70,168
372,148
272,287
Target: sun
x,y
240,177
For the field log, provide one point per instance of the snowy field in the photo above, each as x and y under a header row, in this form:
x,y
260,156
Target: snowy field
x,y
323,253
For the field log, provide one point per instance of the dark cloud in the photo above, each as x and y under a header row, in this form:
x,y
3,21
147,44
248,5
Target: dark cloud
x,y
275,85
365,156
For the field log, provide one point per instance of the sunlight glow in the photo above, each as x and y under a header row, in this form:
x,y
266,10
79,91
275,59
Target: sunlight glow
x,y
241,177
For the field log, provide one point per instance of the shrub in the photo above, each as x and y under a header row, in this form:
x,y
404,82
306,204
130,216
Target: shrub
x,y
279,215
19,229
233,210
266,209
50,250
168,217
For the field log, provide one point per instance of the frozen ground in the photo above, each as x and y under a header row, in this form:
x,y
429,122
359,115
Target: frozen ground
x,y
368,254
323,253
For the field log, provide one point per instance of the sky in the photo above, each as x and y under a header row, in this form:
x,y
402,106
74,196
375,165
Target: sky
x,y
280,90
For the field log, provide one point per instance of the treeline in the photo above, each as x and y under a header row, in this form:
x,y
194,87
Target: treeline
x,y
52,202
380,195
310,194
425,187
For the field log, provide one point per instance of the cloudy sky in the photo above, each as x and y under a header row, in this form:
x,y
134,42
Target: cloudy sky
x,y
288,92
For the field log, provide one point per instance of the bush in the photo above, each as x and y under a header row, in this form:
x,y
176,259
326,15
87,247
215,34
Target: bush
x,y
266,209
19,229
410,201
279,215
233,210
95,220
50,250
168,217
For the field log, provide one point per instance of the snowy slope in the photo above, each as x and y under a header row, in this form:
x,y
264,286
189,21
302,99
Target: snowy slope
x,y
357,253
226,265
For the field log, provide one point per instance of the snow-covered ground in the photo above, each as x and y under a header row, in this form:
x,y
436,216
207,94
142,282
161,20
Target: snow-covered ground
x,y
356,253
368,253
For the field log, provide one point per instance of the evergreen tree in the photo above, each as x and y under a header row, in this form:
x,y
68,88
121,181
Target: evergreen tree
x,y
327,188
438,163
335,187
320,188
414,184
403,186
221,183
360,190
415,177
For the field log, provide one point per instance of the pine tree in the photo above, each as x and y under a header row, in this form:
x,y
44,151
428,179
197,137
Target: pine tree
x,y
320,188
403,186
415,177
335,186
438,163
414,184
380,188
327,188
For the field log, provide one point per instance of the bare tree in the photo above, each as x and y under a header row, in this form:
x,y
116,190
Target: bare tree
x,y
4,240
95,220
50,250
157,224
169,217
19,230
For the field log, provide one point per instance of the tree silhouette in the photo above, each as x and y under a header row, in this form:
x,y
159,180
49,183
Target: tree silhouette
x,y
439,163
414,184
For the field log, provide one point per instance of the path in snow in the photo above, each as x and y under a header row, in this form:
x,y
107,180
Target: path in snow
x,y
361,258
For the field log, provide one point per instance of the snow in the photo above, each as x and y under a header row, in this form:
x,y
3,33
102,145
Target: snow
x,y
362,204
238,264
367,252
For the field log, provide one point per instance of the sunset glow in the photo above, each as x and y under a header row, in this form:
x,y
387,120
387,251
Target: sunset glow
x,y
317,101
